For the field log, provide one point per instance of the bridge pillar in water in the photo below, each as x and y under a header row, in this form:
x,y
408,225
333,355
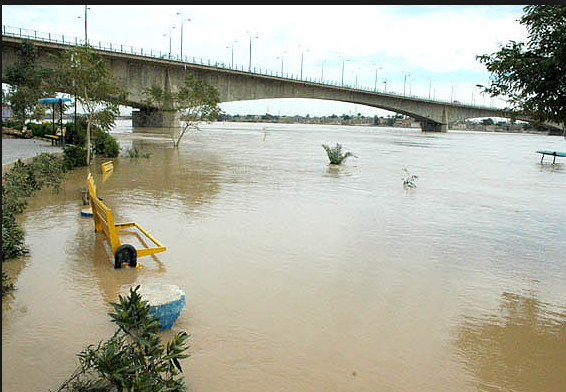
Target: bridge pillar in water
x,y
155,119
431,126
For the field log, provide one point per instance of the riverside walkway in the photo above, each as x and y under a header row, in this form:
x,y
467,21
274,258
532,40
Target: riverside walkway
x,y
15,148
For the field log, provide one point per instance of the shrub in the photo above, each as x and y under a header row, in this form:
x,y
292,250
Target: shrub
x,y
335,154
7,286
135,153
75,133
39,130
105,144
133,359
74,156
410,179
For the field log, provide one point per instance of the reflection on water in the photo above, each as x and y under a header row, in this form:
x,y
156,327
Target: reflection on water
x,y
300,275
521,347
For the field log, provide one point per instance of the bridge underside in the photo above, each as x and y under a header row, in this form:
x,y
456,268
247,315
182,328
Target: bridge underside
x,y
147,118
431,126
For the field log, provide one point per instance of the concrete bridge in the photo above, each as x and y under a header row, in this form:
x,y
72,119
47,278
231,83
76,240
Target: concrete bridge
x,y
136,71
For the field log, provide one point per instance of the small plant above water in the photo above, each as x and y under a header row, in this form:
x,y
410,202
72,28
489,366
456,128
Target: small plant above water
x,y
410,179
135,153
335,154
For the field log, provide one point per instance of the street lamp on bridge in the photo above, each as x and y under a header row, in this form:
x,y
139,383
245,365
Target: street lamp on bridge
x,y
80,17
228,47
281,57
250,64
170,32
302,53
183,20
405,80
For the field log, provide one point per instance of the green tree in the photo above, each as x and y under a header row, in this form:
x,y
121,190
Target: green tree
x,y
27,84
533,75
88,76
195,102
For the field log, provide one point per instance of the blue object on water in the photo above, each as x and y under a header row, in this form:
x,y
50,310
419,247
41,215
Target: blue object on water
x,y
166,302
86,212
552,153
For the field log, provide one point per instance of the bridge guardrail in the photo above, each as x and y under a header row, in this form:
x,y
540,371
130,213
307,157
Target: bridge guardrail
x,y
130,49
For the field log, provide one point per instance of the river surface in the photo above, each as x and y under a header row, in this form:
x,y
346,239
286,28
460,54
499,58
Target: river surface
x,y
302,276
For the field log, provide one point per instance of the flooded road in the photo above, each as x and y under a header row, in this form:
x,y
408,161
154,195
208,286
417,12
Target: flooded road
x,y
300,276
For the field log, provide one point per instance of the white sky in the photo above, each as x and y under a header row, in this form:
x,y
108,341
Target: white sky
x,y
435,46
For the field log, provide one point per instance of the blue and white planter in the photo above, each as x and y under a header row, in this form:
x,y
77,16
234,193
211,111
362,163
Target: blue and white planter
x,y
86,212
166,301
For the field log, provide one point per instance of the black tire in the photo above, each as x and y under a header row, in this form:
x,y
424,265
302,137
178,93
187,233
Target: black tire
x,y
125,254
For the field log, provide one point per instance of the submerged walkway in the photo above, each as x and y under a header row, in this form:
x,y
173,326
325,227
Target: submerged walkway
x,y
16,148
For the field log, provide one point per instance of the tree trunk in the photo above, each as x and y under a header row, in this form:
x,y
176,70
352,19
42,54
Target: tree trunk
x,y
88,142
88,121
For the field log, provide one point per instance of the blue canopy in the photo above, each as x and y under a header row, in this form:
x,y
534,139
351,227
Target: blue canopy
x,y
54,100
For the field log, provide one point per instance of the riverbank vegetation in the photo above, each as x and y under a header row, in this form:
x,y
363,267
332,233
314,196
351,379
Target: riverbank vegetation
x,y
133,359
532,75
20,183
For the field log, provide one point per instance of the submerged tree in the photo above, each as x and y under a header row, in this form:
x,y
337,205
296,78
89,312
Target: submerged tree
x,y
410,180
533,75
335,154
195,102
86,73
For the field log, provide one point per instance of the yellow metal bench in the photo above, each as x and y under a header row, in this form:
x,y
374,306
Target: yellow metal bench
x,y
107,167
59,135
104,221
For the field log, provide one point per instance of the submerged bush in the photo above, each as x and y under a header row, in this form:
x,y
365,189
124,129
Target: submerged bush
x,y
74,156
105,144
133,359
135,153
410,179
335,154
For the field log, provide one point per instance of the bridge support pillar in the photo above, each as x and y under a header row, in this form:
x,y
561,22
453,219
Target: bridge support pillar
x,y
155,119
431,126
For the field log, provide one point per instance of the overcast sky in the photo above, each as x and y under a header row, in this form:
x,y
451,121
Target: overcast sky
x,y
422,49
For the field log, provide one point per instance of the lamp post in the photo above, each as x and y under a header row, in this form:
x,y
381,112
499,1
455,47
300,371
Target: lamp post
x,y
375,82
281,63
182,30
170,32
356,73
250,63
343,61
86,36
405,81
302,53
85,17
228,47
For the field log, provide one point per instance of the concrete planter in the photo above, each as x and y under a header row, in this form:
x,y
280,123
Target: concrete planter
x,y
166,301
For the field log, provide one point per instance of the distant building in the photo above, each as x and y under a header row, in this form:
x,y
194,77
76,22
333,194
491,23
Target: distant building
x,y
6,112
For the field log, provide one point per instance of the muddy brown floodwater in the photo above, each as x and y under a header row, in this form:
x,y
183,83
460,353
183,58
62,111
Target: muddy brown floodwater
x,y
300,276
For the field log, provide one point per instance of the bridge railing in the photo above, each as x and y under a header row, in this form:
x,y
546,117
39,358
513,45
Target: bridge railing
x,y
158,54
